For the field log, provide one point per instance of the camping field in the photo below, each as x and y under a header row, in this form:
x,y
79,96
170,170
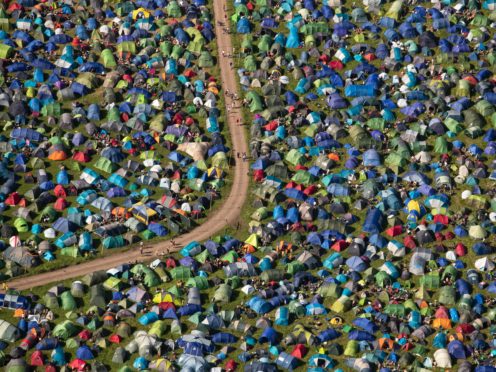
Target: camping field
x,y
367,239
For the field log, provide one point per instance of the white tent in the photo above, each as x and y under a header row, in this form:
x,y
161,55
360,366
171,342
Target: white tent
x,y
442,358
484,264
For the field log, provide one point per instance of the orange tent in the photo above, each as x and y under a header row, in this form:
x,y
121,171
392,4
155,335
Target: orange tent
x,y
248,248
121,212
441,323
58,155
333,156
386,344
18,313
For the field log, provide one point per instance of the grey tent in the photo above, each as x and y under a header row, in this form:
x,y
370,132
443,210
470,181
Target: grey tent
x,y
21,256
97,296
8,332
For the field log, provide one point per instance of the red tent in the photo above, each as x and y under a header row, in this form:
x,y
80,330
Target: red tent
x,y
78,364
299,351
439,237
301,167
336,65
395,230
442,313
50,368
340,245
116,339
369,57
465,328
60,204
442,219
84,335
271,126
460,250
310,190
37,359
13,199
449,235
166,306
81,157
409,242
170,263
258,175
60,191
231,365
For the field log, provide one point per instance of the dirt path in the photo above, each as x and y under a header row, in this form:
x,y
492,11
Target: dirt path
x,y
227,214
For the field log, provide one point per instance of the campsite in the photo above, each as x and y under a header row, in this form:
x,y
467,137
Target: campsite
x,y
368,239
111,133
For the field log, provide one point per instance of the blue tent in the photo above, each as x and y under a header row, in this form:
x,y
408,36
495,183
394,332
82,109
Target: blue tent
x,y
366,324
457,350
293,40
157,229
269,335
374,221
148,318
259,305
84,353
360,335
224,338
328,335
243,26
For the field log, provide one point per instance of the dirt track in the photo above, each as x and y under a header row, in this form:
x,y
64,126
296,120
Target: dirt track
x,y
227,214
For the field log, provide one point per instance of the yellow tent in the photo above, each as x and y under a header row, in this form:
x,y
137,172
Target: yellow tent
x,y
215,172
143,11
166,297
413,205
252,240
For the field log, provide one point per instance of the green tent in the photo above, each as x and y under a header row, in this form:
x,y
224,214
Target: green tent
x,y
173,9
230,257
147,234
294,157
254,101
21,225
70,252
330,290
441,145
351,349
51,301
430,281
113,242
395,309
296,308
6,51
159,329
51,109
303,177
68,302
64,330
199,282
107,58
113,284
382,279
272,275
205,60
250,63
395,161
447,295
105,165
223,293
294,267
